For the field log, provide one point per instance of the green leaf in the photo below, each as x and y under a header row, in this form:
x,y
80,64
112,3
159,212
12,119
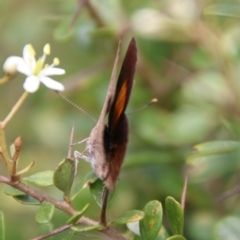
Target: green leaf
x,y
45,213
163,234
227,10
213,159
176,237
64,175
10,191
228,228
79,214
88,179
2,226
175,215
43,179
134,227
69,235
27,200
216,147
62,33
130,216
44,229
96,190
86,228
151,223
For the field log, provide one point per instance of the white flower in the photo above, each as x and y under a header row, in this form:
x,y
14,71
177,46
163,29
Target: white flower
x,y
35,71
10,65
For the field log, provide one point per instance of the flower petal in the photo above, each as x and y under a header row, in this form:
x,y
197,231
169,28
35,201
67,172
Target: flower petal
x,y
24,68
31,84
28,52
11,64
29,56
49,71
52,84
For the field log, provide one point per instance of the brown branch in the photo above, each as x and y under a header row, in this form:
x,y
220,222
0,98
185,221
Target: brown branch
x,y
54,232
228,194
184,192
95,15
81,4
62,205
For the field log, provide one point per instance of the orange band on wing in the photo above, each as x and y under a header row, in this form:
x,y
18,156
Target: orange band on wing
x,y
121,102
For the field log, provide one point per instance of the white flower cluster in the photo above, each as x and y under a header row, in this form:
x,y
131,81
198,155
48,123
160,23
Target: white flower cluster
x,y
35,71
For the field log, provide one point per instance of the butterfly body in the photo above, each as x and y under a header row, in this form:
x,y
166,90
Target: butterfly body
x,y
107,143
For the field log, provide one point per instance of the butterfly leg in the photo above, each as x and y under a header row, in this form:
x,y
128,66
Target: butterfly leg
x,y
78,155
84,140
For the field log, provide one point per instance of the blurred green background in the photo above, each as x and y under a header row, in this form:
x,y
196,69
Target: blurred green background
x,y
188,58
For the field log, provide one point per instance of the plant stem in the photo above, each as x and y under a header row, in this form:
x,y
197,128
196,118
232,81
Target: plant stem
x,y
4,79
61,205
14,109
54,232
4,151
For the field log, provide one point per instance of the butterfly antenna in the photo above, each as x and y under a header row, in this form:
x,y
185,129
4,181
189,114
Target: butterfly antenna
x,y
154,100
228,194
75,105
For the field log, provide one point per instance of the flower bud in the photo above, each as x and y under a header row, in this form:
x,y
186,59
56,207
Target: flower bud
x,y
11,64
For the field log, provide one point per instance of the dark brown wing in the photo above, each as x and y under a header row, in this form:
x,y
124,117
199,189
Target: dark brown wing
x,y
117,132
124,86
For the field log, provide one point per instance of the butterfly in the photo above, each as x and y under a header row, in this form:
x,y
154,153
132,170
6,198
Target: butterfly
x,y
107,143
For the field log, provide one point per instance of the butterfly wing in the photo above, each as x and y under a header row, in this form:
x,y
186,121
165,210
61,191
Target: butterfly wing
x,y
95,144
116,136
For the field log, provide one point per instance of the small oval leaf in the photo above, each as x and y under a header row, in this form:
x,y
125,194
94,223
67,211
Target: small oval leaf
x,y
96,190
134,227
42,179
228,228
84,182
87,228
63,176
217,147
10,191
221,9
75,217
2,226
61,32
151,223
45,213
27,200
213,159
69,235
45,228
176,237
175,215
130,216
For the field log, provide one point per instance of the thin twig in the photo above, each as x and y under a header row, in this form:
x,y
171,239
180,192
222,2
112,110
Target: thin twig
x,y
95,15
62,205
81,4
184,192
4,150
71,142
228,194
4,79
54,232
14,109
